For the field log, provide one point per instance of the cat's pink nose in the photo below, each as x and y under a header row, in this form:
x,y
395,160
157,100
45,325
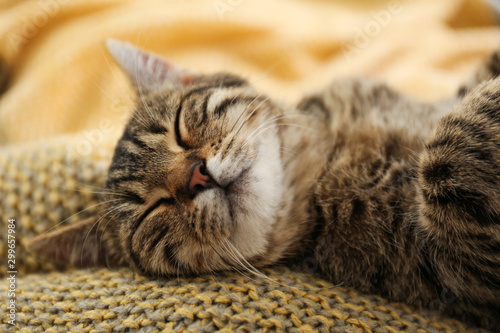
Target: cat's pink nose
x,y
200,179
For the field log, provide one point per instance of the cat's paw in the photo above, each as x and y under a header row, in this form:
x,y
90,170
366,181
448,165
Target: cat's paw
x,y
459,174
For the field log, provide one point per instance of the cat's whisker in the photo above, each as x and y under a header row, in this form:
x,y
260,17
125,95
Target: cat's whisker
x,y
207,266
290,154
114,215
289,150
104,230
237,264
243,112
249,266
178,270
250,115
83,210
236,96
228,257
236,268
80,183
241,259
251,138
93,192
96,225
272,119
236,121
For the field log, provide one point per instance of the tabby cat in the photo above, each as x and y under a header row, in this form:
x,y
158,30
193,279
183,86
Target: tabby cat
x,y
380,192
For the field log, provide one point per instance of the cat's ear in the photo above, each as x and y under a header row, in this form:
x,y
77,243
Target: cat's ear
x,y
147,71
81,245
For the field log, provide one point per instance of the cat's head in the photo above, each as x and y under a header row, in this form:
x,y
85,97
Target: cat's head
x,y
197,176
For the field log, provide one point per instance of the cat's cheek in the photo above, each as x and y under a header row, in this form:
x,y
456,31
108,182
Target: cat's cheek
x,y
256,205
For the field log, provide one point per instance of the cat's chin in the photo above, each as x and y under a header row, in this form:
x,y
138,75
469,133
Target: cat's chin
x,y
254,198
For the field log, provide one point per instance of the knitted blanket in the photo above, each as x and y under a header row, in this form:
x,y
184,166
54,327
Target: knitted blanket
x,y
63,104
43,184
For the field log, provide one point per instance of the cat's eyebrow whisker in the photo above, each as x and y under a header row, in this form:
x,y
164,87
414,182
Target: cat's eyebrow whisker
x,y
236,122
148,110
245,109
250,115
243,112
272,119
140,118
225,113
250,139
288,151
239,117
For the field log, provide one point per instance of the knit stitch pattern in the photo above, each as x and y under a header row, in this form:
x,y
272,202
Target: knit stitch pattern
x,y
116,301
43,184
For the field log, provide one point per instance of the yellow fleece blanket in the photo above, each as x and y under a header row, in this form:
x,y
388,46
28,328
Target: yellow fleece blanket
x,y
62,80
63,104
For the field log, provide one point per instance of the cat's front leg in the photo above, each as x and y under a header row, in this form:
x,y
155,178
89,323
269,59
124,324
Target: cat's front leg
x,y
459,193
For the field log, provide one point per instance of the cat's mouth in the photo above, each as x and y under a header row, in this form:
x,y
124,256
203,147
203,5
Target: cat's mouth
x,y
237,186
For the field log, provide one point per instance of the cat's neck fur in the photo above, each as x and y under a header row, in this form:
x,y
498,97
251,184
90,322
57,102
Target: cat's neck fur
x,y
303,143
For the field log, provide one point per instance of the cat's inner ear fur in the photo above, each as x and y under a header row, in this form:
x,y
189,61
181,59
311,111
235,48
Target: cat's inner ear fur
x,y
147,71
80,245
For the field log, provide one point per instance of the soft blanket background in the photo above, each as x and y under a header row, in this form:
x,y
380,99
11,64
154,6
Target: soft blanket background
x,y
65,102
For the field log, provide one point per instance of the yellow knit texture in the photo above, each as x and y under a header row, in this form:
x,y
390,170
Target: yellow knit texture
x,y
116,301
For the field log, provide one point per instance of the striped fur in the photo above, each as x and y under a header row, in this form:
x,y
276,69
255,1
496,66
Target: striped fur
x,y
377,191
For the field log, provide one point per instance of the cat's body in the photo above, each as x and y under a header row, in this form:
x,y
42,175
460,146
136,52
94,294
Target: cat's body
x,y
380,200
378,192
